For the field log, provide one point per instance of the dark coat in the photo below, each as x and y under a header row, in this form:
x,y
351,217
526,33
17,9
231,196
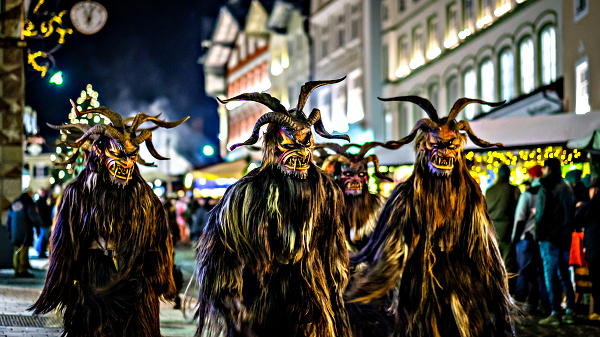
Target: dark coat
x,y
556,208
22,217
501,202
588,216
45,211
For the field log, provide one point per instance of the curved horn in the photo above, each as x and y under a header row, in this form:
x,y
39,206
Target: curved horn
x,y
270,117
333,158
99,129
375,161
464,125
315,119
461,103
424,103
337,148
366,147
260,97
115,118
308,87
141,118
71,160
141,137
424,124
145,163
152,150
71,127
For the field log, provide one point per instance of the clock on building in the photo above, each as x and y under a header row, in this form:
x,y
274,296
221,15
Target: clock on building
x,y
88,17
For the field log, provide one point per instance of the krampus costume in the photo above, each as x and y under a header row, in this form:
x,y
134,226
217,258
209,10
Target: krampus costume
x,y
112,255
350,171
434,249
273,259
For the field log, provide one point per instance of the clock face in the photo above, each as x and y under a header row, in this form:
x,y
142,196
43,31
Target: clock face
x,y
88,17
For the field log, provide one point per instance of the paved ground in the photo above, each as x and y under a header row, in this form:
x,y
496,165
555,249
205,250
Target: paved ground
x,y
17,294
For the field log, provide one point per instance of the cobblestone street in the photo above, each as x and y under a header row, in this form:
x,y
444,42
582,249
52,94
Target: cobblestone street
x,y
18,294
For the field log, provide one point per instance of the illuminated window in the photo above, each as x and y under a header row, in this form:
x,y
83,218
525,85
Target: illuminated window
x,y
487,7
355,94
548,55
487,83
507,75
470,87
402,50
582,98
451,26
527,66
417,47
469,15
433,47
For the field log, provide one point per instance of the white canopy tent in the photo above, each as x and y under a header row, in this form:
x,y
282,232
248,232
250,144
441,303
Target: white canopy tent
x,y
514,132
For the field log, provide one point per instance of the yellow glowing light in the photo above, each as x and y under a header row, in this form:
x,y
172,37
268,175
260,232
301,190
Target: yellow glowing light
x,y
52,180
464,33
450,43
416,63
58,150
402,71
61,174
433,53
484,21
502,9
276,68
31,60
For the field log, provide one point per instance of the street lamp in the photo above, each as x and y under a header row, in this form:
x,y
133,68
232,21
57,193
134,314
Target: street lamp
x,y
57,78
208,150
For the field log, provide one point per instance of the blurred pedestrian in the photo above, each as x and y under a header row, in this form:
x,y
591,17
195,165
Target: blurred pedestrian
x,y
45,210
588,216
22,218
553,229
573,178
200,219
501,199
531,286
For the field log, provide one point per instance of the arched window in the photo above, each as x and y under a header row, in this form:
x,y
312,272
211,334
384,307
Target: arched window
x,y
433,94
548,55
452,90
507,75
470,83
487,83
527,66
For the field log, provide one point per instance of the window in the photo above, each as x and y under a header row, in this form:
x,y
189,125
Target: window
x,y
402,69
324,42
582,97
355,102
470,83
433,48
434,94
417,47
451,26
469,15
389,125
507,75
401,5
527,66
452,89
405,119
354,28
338,111
290,47
340,32
385,62
548,55
580,9
487,83
487,7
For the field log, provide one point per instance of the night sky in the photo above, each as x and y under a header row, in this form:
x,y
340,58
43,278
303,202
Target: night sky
x,y
144,59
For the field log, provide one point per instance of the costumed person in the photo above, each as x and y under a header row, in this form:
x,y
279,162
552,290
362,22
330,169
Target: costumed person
x,y
272,260
350,172
45,210
111,261
361,209
434,251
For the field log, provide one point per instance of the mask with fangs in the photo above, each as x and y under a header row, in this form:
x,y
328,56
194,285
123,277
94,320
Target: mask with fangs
x,y
289,141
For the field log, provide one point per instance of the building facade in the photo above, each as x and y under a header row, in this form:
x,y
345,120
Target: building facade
x,y
345,42
495,50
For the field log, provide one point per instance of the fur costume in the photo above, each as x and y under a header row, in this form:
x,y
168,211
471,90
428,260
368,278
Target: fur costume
x,y
434,249
350,172
361,209
112,252
272,260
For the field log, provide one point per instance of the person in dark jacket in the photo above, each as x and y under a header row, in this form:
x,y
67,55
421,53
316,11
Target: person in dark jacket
x,y
531,286
501,201
553,229
22,217
588,216
45,211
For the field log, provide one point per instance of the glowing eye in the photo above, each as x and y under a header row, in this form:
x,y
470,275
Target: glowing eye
x,y
362,174
452,147
347,174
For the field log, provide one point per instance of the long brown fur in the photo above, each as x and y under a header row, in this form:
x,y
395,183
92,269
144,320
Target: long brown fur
x,y
273,259
434,252
96,297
